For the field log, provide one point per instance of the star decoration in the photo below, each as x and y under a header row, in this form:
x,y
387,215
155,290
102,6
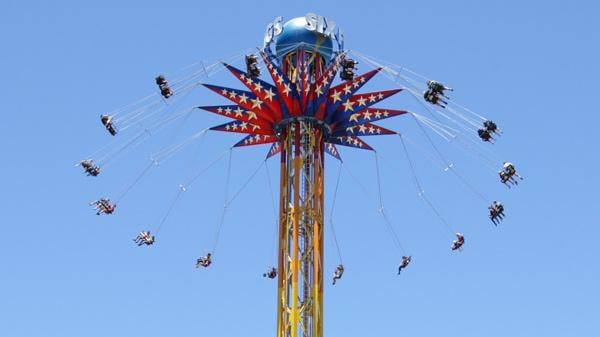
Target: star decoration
x,y
347,114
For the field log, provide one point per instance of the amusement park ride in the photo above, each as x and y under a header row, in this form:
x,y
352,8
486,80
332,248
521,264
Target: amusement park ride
x,y
303,115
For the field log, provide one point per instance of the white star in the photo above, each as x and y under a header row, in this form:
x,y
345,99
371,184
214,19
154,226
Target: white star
x,y
249,81
220,110
279,79
371,129
348,105
362,128
258,86
372,98
362,80
347,89
238,112
319,91
336,96
251,115
227,127
228,111
356,84
234,126
350,129
380,96
244,126
354,117
257,138
269,94
256,103
243,98
356,142
349,139
232,94
224,92
286,89
255,127
385,113
361,101
367,115
377,114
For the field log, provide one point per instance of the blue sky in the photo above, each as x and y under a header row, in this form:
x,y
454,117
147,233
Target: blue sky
x,y
531,66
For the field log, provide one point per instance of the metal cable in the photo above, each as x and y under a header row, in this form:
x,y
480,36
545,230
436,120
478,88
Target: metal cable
x,y
420,190
335,240
384,215
222,220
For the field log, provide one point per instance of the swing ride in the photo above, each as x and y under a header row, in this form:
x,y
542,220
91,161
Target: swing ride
x,y
303,114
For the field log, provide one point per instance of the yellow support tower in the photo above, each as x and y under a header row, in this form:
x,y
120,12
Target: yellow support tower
x,y
300,270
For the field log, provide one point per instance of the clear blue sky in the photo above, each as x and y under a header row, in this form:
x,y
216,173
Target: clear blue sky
x,y
65,272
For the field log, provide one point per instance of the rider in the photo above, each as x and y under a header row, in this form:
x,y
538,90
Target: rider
x,y
272,273
509,168
458,242
339,271
508,174
204,261
485,135
491,127
165,90
507,179
493,214
437,87
252,65
103,206
144,238
161,80
433,98
347,74
348,67
404,263
89,167
496,212
108,124
109,208
499,209
348,63
149,240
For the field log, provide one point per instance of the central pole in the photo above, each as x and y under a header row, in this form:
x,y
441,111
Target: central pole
x,y
300,267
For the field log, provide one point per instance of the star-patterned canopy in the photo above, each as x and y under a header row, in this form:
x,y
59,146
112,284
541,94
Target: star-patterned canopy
x,y
346,114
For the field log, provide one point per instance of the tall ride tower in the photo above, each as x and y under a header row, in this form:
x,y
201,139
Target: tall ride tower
x,y
303,115
300,269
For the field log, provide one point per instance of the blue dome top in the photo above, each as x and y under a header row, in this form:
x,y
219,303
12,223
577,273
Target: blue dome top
x,y
294,32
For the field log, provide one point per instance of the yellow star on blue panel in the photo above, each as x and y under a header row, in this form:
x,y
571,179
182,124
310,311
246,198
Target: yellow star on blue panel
x,y
348,105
